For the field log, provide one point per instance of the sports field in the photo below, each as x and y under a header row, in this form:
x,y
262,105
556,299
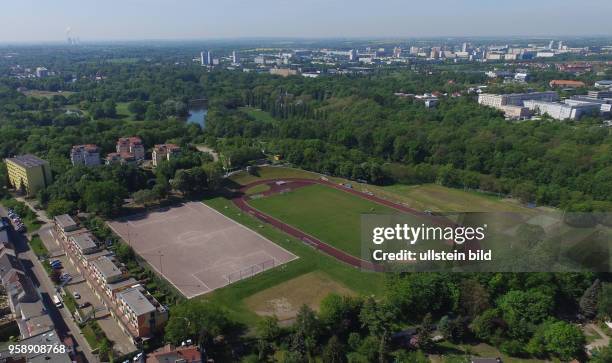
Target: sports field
x,y
198,249
328,214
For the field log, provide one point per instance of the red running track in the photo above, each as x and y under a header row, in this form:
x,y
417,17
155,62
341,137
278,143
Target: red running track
x,y
242,203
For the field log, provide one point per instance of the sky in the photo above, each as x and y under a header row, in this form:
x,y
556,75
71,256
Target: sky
x,y
98,20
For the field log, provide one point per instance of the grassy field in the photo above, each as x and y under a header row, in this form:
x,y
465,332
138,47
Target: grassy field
x,y
258,189
439,198
257,114
329,214
46,94
234,297
481,350
123,112
285,299
244,298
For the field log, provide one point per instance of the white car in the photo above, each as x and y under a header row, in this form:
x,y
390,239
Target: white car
x,y
76,295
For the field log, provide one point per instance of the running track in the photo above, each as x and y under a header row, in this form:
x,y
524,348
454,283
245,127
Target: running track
x,y
241,202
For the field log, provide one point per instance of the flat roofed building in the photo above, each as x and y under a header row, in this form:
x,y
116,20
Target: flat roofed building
x,y
28,173
65,223
163,152
84,243
141,311
88,155
566,83
106,271
563,111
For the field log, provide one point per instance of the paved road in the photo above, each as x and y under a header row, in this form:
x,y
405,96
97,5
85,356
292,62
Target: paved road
x,y
62,319
241,202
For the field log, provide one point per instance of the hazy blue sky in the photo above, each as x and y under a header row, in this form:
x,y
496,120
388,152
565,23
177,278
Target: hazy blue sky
x,y
47,20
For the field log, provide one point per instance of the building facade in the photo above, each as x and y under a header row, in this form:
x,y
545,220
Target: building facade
x,y
163,152
28,173
88,155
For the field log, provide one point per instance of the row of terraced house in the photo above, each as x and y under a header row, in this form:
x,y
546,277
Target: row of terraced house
x,y
138,313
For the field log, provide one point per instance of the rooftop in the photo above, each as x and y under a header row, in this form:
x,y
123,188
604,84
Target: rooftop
x,y
171,354
106,267
65,221
136,300
47,338
84,241
86,147
27,161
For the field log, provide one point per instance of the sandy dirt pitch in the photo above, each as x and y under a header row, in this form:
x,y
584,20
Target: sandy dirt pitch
x,y
198,249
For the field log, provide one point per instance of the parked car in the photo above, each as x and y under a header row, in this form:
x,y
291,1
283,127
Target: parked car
x,y
76,295
5,223
84,305
65,275
54,261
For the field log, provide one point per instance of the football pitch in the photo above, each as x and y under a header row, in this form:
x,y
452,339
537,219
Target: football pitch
x,y
329,214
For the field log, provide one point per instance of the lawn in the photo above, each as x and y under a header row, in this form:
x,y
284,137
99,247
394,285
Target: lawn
x,y
285,299
38,246
233,297
265,173
47,94
123,112
329,214
481,350
257,114
257,189
439,198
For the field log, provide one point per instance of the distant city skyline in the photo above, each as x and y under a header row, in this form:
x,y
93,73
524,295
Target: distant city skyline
x,y
89,20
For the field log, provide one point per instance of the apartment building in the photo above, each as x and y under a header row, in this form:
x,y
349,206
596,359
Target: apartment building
x,y
513,104
163,152
563,111
136,311
28,173
142,312
88,155
121,158
131,145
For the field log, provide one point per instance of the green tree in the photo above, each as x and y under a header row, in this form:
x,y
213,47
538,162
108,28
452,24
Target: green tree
x,y
379,318
60,206
589,300
196,319
104,197
334,351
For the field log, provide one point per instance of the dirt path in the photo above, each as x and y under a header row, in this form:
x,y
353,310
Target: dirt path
x,y
603,341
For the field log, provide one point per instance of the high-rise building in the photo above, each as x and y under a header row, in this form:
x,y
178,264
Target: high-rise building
x,y
202,58
234,57
88,155
42,72
352,55
397,52
209,59
28,173
551,44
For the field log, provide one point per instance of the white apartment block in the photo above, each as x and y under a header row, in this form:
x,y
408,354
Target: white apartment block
x,y
563,111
